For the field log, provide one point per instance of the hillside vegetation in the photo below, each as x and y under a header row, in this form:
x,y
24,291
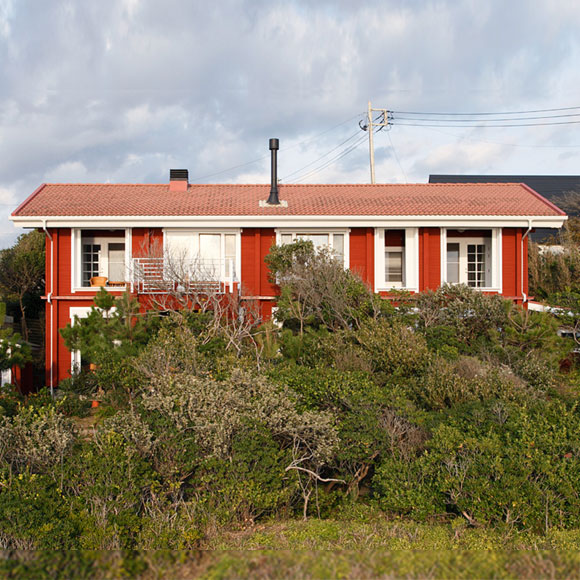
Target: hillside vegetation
x,y
445,420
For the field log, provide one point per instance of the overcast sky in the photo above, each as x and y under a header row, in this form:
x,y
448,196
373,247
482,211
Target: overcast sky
x,y
124,90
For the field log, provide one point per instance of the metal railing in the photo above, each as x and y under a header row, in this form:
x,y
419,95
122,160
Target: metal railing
x,y
184,276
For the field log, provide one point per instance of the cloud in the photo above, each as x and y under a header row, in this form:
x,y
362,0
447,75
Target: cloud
x,y
125,90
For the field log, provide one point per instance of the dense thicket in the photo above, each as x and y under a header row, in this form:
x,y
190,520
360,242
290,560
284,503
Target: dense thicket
x,y
449,406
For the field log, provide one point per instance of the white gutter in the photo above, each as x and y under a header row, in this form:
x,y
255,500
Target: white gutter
x,y
238,221
524,295
49,300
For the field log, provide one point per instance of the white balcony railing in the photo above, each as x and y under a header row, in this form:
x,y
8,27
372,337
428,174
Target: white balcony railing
x,y
183,276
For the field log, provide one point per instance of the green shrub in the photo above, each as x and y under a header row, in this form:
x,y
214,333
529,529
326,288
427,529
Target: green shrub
x,y
34,514
393,349
35,439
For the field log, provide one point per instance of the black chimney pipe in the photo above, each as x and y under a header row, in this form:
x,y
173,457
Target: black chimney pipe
x,y
273,199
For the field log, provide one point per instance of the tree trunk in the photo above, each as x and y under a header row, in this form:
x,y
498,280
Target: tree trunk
x,y
23,324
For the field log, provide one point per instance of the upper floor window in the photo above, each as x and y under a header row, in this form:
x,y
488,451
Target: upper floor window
x,y
196,255
102,258
334,241
396,258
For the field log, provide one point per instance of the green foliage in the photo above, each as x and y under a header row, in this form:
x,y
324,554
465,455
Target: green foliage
x,y
449,407
472,316
113,330
447,384
317,290
22,274
36,439
13,350
393,350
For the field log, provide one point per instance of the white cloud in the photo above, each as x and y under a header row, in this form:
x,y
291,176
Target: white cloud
x,y
125,90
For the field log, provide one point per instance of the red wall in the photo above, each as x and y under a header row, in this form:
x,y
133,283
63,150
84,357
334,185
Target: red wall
x,y
256,244
429,259
362,254
512,263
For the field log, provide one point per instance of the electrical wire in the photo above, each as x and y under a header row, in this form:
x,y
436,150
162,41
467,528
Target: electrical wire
x,y
397,157
509,119
487,113
321,157
305,141
331,161
488,126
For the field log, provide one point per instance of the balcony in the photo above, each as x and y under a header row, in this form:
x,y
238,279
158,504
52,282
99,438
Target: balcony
x,y
184,276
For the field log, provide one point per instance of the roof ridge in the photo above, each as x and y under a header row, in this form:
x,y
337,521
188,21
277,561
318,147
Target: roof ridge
x,y
542,198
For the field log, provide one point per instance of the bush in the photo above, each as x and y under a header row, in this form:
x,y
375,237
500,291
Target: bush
x,y
447,384
393,349
473,317
35,439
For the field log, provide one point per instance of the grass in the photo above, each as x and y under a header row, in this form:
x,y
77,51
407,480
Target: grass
x,y
361,544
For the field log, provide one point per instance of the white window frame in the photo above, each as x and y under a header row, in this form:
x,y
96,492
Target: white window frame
x,y
77,256
222,232
295,232
410,260
494,284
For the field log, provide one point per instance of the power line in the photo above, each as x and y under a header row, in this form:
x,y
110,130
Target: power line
x,y
322,156
509,119
489,126
487,113
331,161
305,141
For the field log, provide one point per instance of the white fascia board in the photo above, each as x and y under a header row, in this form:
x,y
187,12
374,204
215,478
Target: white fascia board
x,y
311,221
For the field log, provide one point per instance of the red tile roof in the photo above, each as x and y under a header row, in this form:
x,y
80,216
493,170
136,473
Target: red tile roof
x,y
303,200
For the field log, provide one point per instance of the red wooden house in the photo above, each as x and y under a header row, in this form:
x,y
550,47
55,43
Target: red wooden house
x,y
413,237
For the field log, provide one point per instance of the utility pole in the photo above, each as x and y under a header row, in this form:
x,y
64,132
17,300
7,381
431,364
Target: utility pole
x,y
382,122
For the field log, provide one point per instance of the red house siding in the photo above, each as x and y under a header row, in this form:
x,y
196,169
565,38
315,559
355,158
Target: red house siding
x,y
429,259
256,244
362,253
512,263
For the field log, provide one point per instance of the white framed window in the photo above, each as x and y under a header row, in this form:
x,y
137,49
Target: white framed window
x,y
334,240
100,258
396,258
197,254
472,258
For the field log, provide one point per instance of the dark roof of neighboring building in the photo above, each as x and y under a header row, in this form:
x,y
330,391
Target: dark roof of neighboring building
x,y
549,186
307,200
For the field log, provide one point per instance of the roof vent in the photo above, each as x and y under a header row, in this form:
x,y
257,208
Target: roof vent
x,y
178,179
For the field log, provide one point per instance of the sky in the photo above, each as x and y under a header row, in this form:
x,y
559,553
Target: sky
x,y
122,91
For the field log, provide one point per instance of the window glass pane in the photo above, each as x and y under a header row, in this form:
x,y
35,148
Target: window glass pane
x,y
394,266
230,245
90,262
116,257
319,240
453,263
338,246
209,254
286,239
395,238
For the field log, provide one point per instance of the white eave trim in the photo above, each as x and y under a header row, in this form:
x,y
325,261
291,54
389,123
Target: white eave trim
x,y
340,221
